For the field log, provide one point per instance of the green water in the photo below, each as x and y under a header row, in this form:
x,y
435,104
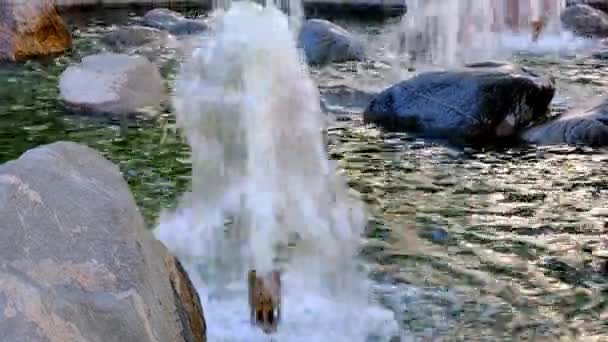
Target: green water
x,y
31,114
495,245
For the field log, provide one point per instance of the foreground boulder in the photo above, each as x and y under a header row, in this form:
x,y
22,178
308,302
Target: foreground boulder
x,y
175,23
113,84
77,262
587,127
585,20
324,42
31,29
482,104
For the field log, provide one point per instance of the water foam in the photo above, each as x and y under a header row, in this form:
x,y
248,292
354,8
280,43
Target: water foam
x,y
453,33
264,193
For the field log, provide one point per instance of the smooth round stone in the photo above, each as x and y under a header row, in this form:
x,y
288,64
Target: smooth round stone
x,y
114,84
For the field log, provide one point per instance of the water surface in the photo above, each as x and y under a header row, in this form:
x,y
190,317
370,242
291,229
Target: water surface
x,y
468,245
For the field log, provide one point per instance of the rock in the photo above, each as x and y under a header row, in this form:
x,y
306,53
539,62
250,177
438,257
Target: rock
x,y
436,235
134,36
600,54
113,84
165,19
576,127
601,5
480,104
340,99
31,29
585,20
189,26
77,262
188,303
159,47
161,18
324,42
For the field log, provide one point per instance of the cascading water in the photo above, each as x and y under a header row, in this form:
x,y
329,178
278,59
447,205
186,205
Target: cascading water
x,y
264,193
450,33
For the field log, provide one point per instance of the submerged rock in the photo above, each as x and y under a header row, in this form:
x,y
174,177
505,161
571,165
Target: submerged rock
x,y
324,42
77,262
481,104
585,20
158,46
577,127
113,84
175,23
31,29
133,36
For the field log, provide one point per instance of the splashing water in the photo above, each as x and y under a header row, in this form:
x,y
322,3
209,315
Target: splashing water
x,y
264,193
451,33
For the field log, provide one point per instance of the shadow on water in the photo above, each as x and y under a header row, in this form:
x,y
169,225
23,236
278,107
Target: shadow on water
x,y
497,244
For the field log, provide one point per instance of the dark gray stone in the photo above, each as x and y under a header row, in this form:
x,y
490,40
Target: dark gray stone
x,y
481,104
601,5
587,127
161,18
188,26
324,42
133,36
585,20
175,23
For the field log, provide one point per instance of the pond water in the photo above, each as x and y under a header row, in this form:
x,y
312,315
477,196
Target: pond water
x,y
469,244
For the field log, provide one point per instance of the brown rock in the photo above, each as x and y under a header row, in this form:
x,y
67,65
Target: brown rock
x,y
189,305
32,29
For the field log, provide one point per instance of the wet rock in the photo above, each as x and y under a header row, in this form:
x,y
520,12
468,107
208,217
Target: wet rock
x,y
77,262
576,127
189,26
134,36
161,18
480,104
436,235
175,23
324,42
112,84
341,99
601,5
585,20
600,54
188,303
31,29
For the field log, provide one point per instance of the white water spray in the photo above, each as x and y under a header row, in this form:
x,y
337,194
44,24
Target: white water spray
x,y
250,112
450,33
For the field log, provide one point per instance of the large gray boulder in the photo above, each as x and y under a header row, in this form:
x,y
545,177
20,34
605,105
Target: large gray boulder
x,y
587,127
175,23
324,42
113,84
585,20
483,104
77,262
